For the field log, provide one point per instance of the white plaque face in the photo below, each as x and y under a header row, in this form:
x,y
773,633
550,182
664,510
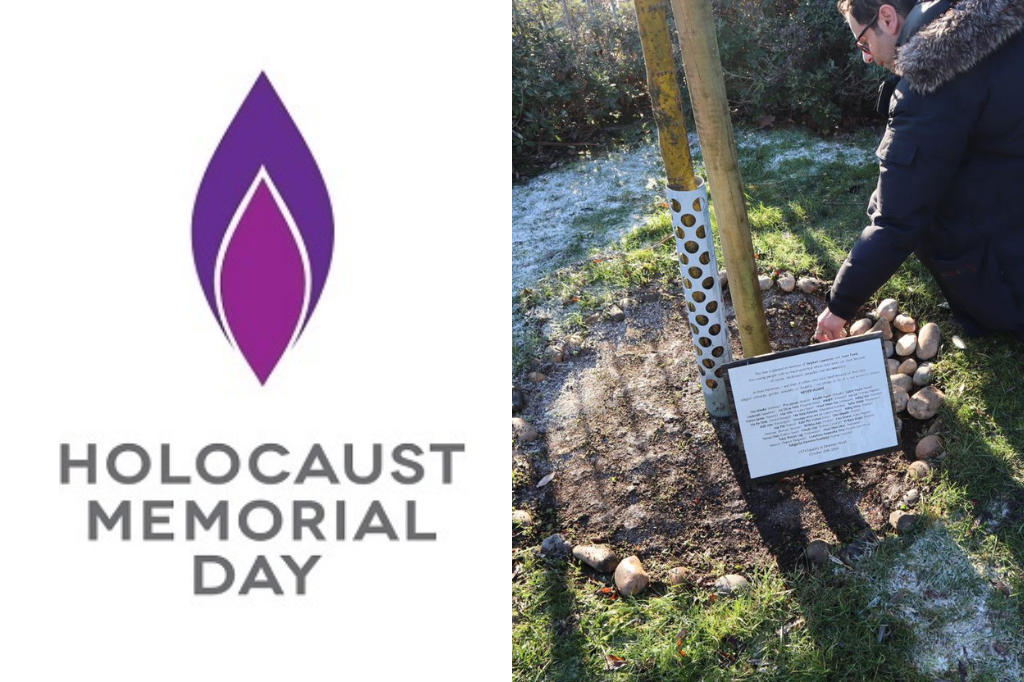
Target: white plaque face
x,y
813,407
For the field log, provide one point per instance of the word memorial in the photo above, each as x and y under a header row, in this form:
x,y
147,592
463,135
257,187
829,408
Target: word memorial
x,y
256,520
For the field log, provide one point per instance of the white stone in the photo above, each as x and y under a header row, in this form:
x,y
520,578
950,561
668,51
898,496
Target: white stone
x,y
928,344
902,522
731,584
555,545
630,577
882,326
861,326
601,558
924,375
523,431
919,469
901,382
521,517
900,398
765,282
905,323
925,403
908,367
888,309
808,285
787,282
906,345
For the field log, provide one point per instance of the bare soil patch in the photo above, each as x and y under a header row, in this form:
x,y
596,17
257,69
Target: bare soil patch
x,y
639,463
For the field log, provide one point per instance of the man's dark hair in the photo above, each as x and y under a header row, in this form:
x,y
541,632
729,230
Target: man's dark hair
x,y
864,10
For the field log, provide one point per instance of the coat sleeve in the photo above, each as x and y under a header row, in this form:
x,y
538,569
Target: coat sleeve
x,y
923,146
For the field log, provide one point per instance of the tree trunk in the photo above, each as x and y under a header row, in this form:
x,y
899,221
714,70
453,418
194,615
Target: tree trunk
x,y
704,79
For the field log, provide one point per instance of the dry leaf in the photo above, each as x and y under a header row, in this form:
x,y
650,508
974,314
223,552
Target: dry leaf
x,y
547,479
614,662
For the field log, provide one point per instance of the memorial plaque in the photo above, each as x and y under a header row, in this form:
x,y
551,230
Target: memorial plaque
x,y
813,407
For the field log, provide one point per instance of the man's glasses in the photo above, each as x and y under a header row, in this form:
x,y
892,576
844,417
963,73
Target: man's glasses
x,y
863,46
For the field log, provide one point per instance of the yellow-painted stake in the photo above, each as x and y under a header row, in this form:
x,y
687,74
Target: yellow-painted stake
x,y
688,202
652,18
706,84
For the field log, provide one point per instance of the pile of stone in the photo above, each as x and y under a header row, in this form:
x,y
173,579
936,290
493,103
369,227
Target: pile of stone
x,y
909,352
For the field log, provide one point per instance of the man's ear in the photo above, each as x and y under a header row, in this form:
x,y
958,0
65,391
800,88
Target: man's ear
x,y
889,20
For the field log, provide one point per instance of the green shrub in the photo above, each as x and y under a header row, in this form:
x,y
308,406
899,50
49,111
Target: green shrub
x,y
578,70
570,82
793,59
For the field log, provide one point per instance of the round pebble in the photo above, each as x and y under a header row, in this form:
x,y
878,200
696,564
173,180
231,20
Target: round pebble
x,y
555,545
731,584
908,367
919,469
902,522
900,398
630,577
518,399
553,354
928,344
521,517
808,285
861,326
905,323
925,403
523,431
882,326
901,382
601,558
929,447
680,575
888,309
817,551
787,282
906,345
924,375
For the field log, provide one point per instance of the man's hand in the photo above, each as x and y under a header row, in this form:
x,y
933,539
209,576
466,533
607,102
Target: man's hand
x,y
830,327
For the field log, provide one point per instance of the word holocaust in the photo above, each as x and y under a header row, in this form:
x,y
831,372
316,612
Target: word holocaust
x,y
257,520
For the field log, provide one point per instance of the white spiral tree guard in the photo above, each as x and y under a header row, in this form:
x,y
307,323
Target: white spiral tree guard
x,y
695,248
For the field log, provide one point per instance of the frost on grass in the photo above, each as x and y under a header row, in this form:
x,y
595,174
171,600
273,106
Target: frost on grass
x,y
954,613
562,214
795,145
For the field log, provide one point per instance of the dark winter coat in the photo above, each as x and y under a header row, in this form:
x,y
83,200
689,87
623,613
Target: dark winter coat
x,y
951,170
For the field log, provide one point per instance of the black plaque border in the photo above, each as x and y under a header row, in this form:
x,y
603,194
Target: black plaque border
x,y
863,338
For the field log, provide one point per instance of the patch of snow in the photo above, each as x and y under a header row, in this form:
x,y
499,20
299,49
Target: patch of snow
x,y
562,209
937,593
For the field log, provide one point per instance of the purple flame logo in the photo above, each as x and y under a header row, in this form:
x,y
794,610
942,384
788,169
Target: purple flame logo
x,y
262,231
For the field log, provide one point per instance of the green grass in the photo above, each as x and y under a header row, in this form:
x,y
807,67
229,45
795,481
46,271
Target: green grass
x,y
564,628
804,214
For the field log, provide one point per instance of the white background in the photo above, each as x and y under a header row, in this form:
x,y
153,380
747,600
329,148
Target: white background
x,y
110,113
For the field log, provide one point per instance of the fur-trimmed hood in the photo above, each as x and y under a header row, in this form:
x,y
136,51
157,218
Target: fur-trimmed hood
x,y
957,41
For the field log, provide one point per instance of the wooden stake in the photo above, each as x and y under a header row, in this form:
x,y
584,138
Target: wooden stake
x,y
696,27
652,17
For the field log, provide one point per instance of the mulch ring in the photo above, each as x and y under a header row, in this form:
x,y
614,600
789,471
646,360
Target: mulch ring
x,y
638,463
